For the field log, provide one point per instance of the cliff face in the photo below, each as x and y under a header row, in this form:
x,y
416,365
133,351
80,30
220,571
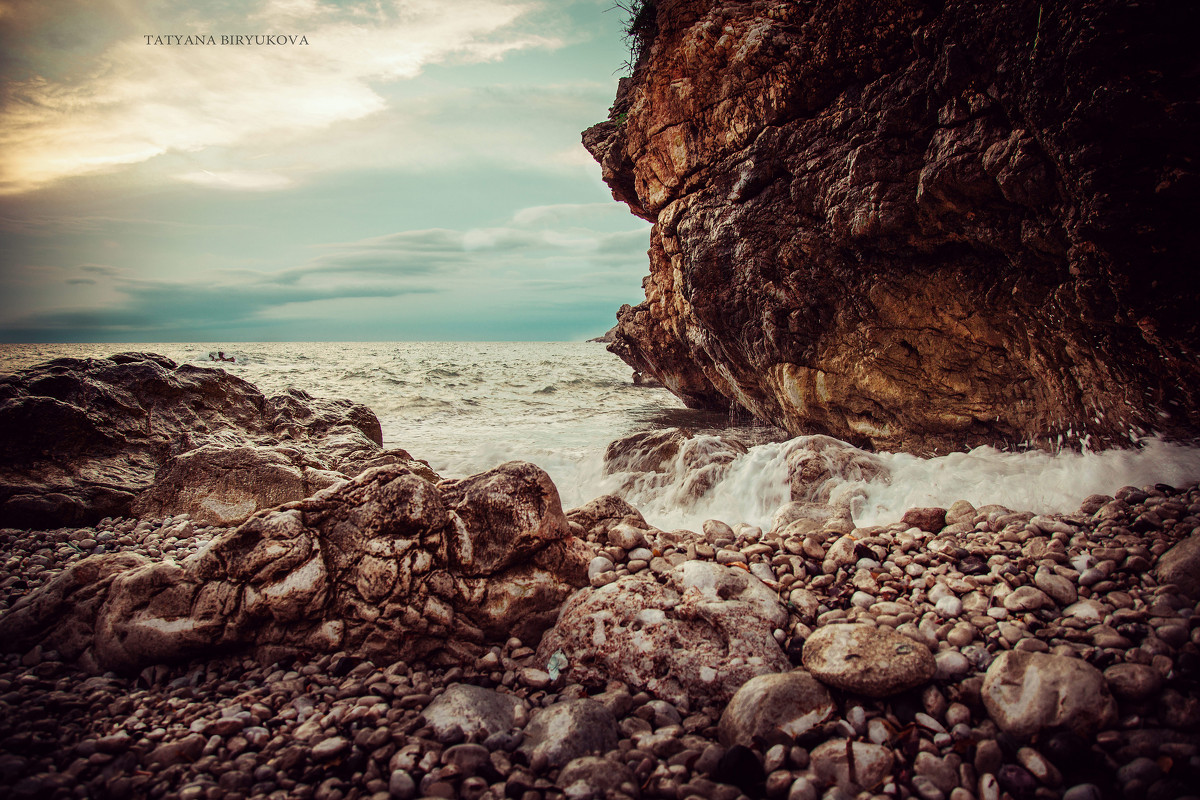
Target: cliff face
x,y
923,224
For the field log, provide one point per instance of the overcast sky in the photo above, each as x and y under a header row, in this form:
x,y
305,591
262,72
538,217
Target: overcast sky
x,y
413,173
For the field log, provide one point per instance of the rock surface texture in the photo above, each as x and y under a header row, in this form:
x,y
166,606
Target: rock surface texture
x,y
82,439
386,566
696,637
916,224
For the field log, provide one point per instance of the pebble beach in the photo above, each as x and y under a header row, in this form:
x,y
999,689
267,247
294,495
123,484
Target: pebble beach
x,y
1107,591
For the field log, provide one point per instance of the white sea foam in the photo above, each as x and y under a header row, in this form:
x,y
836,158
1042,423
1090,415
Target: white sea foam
x,y
466,407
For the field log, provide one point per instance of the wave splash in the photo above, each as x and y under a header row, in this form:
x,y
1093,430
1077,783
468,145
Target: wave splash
x,y
678,481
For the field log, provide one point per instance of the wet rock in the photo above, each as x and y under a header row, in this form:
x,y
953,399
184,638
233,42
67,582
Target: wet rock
x,y
775,708
567,731
873,661
1029,692
606,511
692,640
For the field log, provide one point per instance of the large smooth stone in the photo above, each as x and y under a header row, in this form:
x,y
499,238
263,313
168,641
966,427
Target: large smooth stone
x,y
1028,692
476,711
876,662
567,731
774,709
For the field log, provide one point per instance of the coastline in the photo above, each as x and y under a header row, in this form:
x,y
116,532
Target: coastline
x,y
1093,591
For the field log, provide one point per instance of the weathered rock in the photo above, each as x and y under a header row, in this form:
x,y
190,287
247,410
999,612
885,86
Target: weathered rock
x,y
859,658
695,640
566,731
80,439
1028,692
223,486
475,711
819,465
386,566
1181,566
606,510
774,709
925,225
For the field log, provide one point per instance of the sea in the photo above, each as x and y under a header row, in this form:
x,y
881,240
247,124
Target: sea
x,y
466,407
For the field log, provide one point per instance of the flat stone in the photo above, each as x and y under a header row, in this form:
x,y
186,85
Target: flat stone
x,y
873,661
330,748
1056,586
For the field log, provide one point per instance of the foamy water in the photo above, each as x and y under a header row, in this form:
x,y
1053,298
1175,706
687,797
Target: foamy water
x,y
466,407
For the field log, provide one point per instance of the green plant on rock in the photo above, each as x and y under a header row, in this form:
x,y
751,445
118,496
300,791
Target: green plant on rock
x,y
641,26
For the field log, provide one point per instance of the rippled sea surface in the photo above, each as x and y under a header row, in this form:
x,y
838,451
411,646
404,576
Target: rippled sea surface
x,y
466,407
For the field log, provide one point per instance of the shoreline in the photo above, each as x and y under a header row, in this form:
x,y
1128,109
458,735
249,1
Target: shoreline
x,y
657,642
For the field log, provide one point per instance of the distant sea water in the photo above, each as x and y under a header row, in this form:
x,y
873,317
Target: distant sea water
x,y
465,407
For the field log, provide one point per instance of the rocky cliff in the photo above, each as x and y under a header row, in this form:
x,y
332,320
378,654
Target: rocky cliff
x,y
918,225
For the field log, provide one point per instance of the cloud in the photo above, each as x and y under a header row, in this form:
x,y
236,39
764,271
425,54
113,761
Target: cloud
x,y
101,97
532,263
237,180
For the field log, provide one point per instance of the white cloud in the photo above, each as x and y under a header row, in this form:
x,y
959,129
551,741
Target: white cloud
x,y
132,101
237,181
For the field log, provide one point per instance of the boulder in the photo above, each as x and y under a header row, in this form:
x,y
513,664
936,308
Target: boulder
x,y
1029,692
1181,566
380,567
774,709
566,731
81,439
223,486
693,640
923,226
861,658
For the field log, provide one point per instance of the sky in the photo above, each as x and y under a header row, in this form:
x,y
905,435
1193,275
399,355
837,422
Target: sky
x,y
413,172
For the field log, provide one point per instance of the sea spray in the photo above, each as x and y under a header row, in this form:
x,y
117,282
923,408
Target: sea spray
x,y
754,485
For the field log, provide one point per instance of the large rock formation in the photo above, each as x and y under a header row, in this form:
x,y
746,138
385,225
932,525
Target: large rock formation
x,y
917,224
388,566
81,439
